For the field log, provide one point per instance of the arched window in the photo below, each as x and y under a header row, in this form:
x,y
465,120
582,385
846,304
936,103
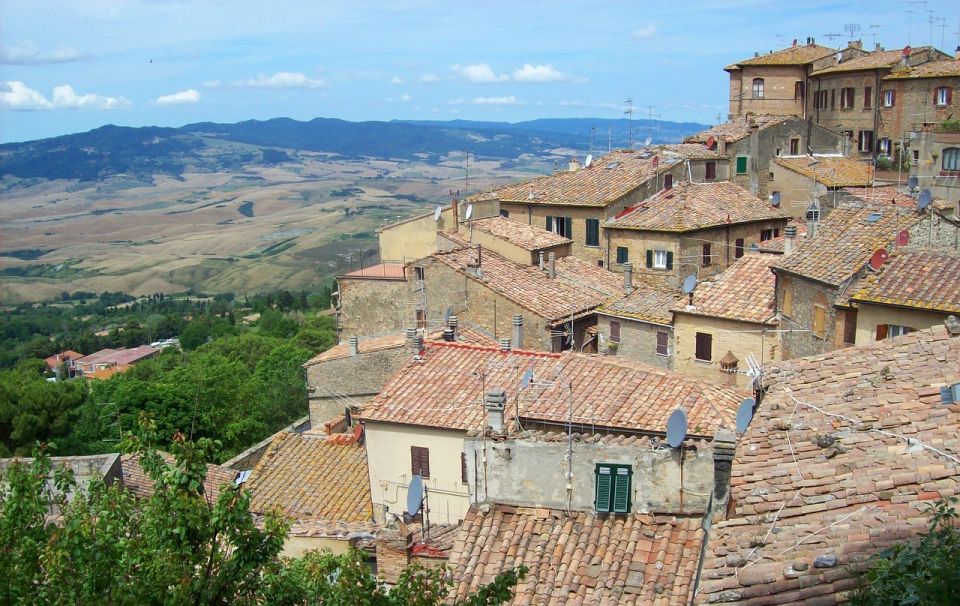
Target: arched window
x,y
951,159
758,88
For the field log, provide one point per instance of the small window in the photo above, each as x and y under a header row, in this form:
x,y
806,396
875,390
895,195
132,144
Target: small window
x,y
768,234
660,259
787,286
704,347
707,257
884,146
942,96
758,88
951,159
711,171
798,89
463,467
421,317
889,98
847,97
593,232
418,273
895,330
833,98
663,343
738,248
505,213
820,316
420,461
615,331
613,488
668,182
867,97
866,141
849,328
623,254
795,146
562,226
741,165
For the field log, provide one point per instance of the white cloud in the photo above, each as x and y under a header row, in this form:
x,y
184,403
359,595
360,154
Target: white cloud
x,y
539,73
429,78
26,53
511,100
284,80
480,73
212,84
17,96
396,80
647,31
456,101
180,98
404,97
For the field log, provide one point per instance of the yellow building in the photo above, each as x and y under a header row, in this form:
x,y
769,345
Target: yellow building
x,y
801,180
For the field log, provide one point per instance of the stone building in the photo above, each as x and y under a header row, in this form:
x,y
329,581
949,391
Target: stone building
x,y
639,326
519,242
917,98
692,229
936,163
813,181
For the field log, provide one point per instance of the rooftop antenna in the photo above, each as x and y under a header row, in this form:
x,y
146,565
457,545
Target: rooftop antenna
x,y
593,131
466,175
943,29
677,428
647,141
469,211
689,284
629,113
873,33
832,36
852,29
609,139
745,414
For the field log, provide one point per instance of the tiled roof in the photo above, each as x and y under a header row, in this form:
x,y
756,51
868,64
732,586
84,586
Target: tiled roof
x,y
445,388
528,237
64,356
886,194
873,60
381,271
744,292
933,69
139,483
776,245
311,478
605,181
693,206
118,356
737,129
105,373
924,279
466,334
579,286
578,558
692,151
794,55
845,241
649,304
332,529
816,491
831,171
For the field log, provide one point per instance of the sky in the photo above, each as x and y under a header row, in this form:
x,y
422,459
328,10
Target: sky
x,y
73,65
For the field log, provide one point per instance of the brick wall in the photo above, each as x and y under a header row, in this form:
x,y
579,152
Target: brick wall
x,y
778,90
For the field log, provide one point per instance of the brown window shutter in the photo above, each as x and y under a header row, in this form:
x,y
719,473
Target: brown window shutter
x,y
420,461
615,331
463,467
850,328
881,332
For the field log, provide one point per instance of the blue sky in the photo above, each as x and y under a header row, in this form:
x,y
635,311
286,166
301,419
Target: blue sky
x,y
69,66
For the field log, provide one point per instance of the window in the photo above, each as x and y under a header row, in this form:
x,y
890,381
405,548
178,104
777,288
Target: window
x,y
704,349
593,232
884,146
668,182
659,259
741,165
463,467
613,488
623,255
615,331
798,89
867,97
769,234
942,96
711,170
505,213
833,98
820,316
892,330
849,328
418,273
787,286
663,343
420,461
738,248
846,97
866,140
951,159
916,157
795,146
758,88
562,226
889,98
707,257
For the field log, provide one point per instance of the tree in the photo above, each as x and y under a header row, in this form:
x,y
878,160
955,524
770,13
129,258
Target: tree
x,y
923,572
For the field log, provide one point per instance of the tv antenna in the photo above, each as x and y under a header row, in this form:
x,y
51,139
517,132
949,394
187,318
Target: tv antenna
x,y
873,33
831,36
852,30
629,113
466,174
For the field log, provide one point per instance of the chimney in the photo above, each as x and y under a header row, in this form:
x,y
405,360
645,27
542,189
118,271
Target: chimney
x,y
454,206
628,277
574,165
518,330
411,335
811,228
448,334
876,46
724,446
504,344
354,346
452,324
552,266
541,260
789,239
756,54
857,44
495,401
417,346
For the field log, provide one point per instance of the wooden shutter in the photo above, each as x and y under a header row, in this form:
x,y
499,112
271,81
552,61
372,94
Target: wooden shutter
x,y
420,461
704,346
604,488
819,321
668,182
711,168
850,328
649,258
463,467
741,165
738,248
549,223
669,259
706,255
615,331
593,232
621,490
893,98
663,347
568,227
867,96
881,332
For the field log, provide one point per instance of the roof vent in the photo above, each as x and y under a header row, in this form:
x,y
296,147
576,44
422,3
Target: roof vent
x,y
354,346
504,344
495,401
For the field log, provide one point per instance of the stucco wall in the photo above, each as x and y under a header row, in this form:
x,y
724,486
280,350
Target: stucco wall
x,y
638,340
796,190
373,307
739,338
869,316
930,164
295,547
388,457
534,473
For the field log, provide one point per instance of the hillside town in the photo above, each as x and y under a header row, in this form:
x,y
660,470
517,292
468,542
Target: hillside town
x,y
722,371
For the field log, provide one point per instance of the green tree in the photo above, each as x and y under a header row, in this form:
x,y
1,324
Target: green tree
x,y
195,333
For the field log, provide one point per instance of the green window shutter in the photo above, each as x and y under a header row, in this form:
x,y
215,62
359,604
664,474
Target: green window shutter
x,y
623,254
604,488
593,232
549,223
649,258
621,491
669,259
568,227
741,165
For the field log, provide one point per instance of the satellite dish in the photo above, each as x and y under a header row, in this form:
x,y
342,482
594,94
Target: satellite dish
x,y
646,142
745,414
924,200
526,378
689,283
912,182
878,258
415,495
469,211
589,160
903,238
775,198
677,428
436,213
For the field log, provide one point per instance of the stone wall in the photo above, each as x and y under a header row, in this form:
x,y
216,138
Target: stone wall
x,y
359,378
370,307
738,338
802,341
638,340
778,90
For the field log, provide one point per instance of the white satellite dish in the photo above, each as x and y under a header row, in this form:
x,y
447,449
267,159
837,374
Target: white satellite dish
x,y
436,213
589,160
677,428
415,495
689,283
469,211
646,142
526,378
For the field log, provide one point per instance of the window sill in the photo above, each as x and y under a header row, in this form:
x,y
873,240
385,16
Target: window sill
x,y
591,246
703,362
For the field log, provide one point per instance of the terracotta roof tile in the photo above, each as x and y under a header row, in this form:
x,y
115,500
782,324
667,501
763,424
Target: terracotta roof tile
x,y
578,558
934,69
737,129
528,237
444,389
871,61
692,151
886,194
794,55
845,241
467,334
381,271
578,288
136,480
920,279
744,292
776,245
605,181
64,356
831,171
312,478
813,496
644,303
693,206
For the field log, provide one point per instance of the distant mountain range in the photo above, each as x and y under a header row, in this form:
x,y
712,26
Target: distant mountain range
x,y
111,150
